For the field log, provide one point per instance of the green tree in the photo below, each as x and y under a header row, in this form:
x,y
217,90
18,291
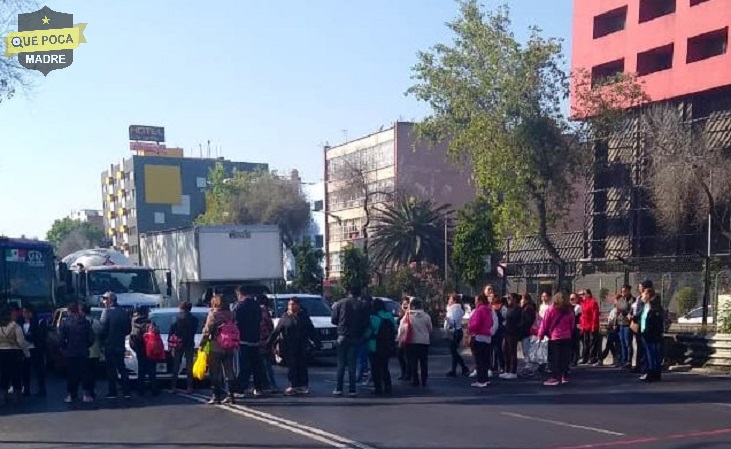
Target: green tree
x,y
68,235
309,273
256,198
408,230
354,264
13,76
687,299
422,280
474,240
499,102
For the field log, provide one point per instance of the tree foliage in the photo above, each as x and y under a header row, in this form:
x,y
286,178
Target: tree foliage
x,y
13,76
499,102
690,176
68,235
474,240
308,267
355,273
256,198
408,230
422,280
686,298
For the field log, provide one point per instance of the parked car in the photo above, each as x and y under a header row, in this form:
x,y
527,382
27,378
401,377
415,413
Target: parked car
x,y
320,312
695,316
55,360
163,318
391,305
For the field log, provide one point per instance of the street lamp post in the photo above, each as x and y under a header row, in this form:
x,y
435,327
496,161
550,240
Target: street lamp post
x,y
707,286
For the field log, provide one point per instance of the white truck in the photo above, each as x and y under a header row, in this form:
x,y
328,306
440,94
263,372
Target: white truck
x,y
87,274
215,259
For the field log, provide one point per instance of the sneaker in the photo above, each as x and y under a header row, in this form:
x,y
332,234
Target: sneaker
x,y
352,394
257,393
213,401
290,391
509,376
564,380
68,399
303,390
88,399
127,396
473,373
480,384
552,382
229,400
490,374
111,396
337,392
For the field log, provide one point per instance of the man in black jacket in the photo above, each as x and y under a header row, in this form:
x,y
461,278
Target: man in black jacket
x,y
352,319
35,333
247,314
116,326
183,329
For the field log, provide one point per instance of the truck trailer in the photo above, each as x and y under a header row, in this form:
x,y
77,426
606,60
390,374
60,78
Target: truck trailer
x,y
204,260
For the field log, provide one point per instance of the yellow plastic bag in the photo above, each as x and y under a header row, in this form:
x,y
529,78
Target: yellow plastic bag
x,y
201,365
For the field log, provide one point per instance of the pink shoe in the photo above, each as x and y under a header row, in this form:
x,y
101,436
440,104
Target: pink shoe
x,y
552,382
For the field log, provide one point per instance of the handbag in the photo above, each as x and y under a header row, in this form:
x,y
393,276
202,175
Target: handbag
x,y
635,327
201,365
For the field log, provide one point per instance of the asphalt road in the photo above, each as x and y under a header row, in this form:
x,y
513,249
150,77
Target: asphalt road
x,y
601,408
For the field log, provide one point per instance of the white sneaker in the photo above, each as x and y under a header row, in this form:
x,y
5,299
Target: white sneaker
x,y
88,399
504,376
473,373
509,376
480,384
68,399
489,374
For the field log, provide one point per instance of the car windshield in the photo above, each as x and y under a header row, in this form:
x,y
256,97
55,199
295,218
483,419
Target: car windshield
x,y
165,320
27,275
314,306
120,281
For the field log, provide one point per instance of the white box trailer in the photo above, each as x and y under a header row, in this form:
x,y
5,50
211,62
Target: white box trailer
x,y
207,258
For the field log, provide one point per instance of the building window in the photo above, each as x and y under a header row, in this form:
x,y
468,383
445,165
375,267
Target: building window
x,y
602,72
319,241
652,9
707,45
610,22
159,217
335,262
655,60
697,2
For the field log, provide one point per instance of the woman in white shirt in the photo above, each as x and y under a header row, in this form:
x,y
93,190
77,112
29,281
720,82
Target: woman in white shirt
x,y
453,324
12,350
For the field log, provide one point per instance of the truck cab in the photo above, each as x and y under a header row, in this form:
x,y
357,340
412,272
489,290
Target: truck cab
x,y
87,274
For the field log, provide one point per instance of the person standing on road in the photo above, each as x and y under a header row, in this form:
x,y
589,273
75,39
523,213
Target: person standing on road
x,y
636,309
528,331
558,326
403,360
146,368
624,302
94,351
415,331
297,335
181,344
512,335
652,328
247,314
483,324
116,326
265,330
575,300
453,324
497,365
220,360
12,350
590,329
76,338
35,336
351,319
381,336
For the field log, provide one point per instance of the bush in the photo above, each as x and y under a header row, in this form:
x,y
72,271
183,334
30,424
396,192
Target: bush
x,y
687,299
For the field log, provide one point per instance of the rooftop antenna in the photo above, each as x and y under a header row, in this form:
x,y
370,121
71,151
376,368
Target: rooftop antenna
x,y
209,149
200,147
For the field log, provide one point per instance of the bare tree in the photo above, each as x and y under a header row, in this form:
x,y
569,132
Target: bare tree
x,y
690,174
13,76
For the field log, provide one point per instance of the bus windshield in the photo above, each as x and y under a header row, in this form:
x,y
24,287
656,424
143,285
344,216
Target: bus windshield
x,y
27,275
123,281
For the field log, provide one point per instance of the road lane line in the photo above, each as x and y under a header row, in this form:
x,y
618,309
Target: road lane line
x,y
636,443
314,433
722,405
563,424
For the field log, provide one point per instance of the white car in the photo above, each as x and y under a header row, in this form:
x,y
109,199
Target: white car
x,y
320,313
163,318
695,316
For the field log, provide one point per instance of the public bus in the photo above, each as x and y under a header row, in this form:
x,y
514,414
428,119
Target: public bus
x,y
27,274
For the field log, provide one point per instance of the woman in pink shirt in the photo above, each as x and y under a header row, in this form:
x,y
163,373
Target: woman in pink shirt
x,y
558,326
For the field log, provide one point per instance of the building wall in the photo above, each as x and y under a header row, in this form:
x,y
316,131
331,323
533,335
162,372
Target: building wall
x,y
149,193
631,42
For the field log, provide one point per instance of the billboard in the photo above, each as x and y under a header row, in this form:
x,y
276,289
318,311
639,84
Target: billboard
x,y
153,149
147,133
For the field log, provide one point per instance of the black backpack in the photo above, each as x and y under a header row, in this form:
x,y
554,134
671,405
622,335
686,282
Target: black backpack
x,y
386,338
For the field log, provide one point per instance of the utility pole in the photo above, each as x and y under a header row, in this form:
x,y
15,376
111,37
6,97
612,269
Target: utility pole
x,y
707,280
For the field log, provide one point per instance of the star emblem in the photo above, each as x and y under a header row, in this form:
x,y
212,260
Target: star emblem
x,y
46,20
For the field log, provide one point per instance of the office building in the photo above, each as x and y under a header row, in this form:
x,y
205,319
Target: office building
x,y
391,160
93,216
156,193
679,49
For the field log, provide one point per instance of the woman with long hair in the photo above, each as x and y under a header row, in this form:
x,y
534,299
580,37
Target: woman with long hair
x,y
12,350
220,360
557,325
403,360
652,328
453,325
511,337
483,325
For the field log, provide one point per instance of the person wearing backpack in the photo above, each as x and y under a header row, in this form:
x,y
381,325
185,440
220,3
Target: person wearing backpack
x,y
181,343
139,341
381,337
223,335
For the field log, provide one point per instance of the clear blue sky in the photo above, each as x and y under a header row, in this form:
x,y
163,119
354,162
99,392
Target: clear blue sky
x,y
264,80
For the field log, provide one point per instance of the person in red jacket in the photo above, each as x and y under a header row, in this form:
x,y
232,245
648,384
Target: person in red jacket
x,y
589,326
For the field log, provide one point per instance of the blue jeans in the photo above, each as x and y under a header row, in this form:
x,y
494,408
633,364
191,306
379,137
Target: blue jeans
x,y
653,356
347,355
625,338
269,371
362,361
146,371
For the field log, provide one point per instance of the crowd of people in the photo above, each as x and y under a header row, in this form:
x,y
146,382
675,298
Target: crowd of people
x,y
555,335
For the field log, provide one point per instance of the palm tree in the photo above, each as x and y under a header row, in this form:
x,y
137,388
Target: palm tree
x,y
408,230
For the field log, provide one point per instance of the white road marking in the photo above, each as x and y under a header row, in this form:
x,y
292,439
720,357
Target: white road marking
x,y
722,405
563,424
292,426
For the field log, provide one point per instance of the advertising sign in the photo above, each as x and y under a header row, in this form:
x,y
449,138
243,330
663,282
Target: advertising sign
x,y
147,133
